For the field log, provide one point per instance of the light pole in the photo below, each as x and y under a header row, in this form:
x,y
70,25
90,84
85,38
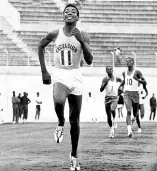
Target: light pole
x,y
5,50
7,64
134,54
28,58
156,58
112,58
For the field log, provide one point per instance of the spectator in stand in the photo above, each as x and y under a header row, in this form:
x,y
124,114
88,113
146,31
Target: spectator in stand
x,y
152,106
15,102
24,105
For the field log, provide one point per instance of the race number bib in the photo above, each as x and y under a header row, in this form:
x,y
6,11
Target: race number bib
x,y
66,57
129,81
111,89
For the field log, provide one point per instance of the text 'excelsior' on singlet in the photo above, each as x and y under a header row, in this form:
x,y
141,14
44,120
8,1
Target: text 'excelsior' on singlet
x,y
67,51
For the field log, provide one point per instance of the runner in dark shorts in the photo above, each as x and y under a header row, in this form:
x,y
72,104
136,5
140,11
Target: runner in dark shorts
x,y
132,78
110,84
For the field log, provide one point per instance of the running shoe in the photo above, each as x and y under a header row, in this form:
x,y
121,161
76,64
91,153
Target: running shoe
x,y
74,165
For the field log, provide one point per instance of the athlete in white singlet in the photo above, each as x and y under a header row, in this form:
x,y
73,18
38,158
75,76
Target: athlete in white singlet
x,y
132,78
110,85
70,43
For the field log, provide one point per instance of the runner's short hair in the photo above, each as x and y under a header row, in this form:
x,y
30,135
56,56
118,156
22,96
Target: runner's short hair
x,y
130,57
109,66
71,5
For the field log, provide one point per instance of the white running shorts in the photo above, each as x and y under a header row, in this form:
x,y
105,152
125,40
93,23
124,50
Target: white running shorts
x,y
73,79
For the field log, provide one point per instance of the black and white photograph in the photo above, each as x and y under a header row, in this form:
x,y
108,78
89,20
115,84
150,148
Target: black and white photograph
x,y
78,85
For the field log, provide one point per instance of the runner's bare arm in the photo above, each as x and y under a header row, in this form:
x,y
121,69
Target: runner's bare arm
x,y
86,49
139,77
145,88
120,89
123,81
84,40
104,84
41,48
118,79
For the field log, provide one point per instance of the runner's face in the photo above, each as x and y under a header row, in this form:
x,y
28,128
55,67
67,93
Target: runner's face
x,y
70,15
129,62
109,70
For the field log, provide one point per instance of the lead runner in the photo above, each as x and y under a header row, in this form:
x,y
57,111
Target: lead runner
x,y
70,43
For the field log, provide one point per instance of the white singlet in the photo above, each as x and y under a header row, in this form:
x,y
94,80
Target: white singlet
x,y
67,51
67,57
130,83
112,88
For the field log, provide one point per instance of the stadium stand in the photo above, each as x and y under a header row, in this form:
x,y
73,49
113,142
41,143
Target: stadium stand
x,y
37,15
143,44
14,53
103,43
143,12
34,11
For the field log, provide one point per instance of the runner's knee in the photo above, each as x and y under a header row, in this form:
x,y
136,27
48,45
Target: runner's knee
x,y
129,113
74,121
